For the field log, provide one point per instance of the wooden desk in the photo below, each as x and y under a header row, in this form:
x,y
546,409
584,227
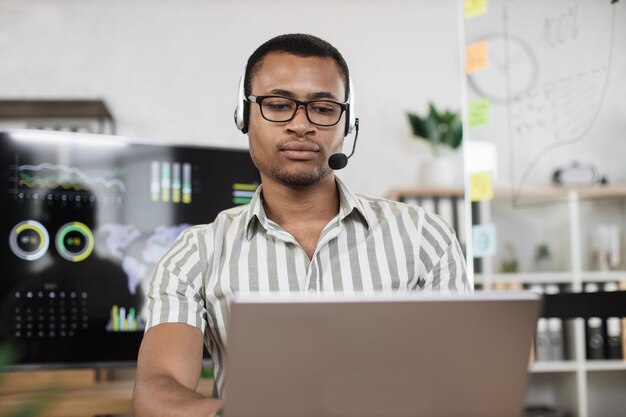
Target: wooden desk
x,y
71,394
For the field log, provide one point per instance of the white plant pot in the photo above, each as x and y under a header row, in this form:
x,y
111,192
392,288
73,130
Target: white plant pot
x,y
438,172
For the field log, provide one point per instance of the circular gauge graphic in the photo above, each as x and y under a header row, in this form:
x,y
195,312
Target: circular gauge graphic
x,y
74,241
513,69
29,240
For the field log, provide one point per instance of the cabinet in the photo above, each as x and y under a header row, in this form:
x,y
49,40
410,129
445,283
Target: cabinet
x,y
570,220
567,219
70,115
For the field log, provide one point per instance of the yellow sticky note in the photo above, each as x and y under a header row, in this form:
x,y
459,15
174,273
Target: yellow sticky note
x,y
476,56
478,112
475,7
481,187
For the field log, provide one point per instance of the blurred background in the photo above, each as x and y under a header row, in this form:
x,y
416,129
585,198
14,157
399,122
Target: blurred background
x,y
531,177
169,70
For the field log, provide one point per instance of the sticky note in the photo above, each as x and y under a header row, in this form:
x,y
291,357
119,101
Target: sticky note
x,y
476,56
475,7
481,187
479,112
484,240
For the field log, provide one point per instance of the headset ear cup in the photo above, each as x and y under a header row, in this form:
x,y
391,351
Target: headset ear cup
x,y
246,117
350,116
238,118
241,113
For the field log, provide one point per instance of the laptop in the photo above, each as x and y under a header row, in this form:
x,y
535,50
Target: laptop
x,y
379,356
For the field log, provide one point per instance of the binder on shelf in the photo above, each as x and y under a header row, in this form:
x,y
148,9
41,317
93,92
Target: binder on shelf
x,y
614,338
614,332
542,337
542,341
477,262
622,286
595,333
555,330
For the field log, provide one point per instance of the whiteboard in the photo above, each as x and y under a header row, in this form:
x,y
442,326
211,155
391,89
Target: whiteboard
x,y
555,81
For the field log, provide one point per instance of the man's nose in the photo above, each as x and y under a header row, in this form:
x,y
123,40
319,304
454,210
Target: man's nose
x,y
300,124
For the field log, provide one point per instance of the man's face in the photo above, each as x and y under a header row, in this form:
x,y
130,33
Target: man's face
x,y
295,153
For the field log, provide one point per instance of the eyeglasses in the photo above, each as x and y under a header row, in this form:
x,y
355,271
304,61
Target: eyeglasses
x,y
282,109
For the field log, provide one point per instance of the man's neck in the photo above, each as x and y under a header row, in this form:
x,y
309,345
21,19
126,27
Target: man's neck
x,y
310,205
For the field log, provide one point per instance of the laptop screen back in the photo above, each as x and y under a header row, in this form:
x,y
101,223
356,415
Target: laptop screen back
x,y
406,355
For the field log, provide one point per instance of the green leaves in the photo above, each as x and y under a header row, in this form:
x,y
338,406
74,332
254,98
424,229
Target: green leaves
x,y
439,129
7,355
207,372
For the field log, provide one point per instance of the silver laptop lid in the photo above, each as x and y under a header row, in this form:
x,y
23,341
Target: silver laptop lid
x,y
392,355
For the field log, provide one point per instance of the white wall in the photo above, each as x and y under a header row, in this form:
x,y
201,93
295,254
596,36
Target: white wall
x,y
169,69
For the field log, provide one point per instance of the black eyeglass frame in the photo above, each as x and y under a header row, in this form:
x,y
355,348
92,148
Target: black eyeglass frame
x,y
305,103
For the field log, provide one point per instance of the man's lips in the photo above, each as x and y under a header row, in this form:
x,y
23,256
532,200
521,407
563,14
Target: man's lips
x,y
300,146
300,150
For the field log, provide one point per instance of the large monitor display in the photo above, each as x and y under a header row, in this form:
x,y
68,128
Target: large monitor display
x,y
84,220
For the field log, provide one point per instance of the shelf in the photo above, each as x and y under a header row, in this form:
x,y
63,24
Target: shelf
x,y
526,196
606,365
555,194
602,276
399,194
551,277
528,277
572,366
553,367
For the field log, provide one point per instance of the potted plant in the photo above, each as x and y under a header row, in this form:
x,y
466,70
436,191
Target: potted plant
x,y
543,258
441,129
509,262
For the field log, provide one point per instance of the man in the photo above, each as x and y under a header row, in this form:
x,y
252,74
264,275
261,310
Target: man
x,y
303,231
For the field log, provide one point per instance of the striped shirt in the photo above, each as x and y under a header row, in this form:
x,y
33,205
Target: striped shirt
x,y
371,245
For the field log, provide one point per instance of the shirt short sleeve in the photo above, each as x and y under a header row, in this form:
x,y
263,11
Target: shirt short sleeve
x,y
443,258
175,293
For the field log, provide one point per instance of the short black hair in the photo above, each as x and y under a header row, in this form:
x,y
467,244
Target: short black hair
x,y
297,44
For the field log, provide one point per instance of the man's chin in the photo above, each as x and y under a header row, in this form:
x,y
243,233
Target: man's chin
x,y
300,180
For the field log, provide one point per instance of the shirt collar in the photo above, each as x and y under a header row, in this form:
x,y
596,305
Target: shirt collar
x,y
255,213
348,204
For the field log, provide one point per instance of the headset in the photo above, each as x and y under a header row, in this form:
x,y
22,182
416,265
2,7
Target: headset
x,y
242,111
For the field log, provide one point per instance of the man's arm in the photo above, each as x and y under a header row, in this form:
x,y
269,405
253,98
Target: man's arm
x,y
443,261
168,372
449,274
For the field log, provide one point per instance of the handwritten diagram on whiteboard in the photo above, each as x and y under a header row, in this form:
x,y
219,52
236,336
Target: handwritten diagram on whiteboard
x,y
551,66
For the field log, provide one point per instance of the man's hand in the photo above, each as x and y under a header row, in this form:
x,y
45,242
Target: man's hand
x,y
168,372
